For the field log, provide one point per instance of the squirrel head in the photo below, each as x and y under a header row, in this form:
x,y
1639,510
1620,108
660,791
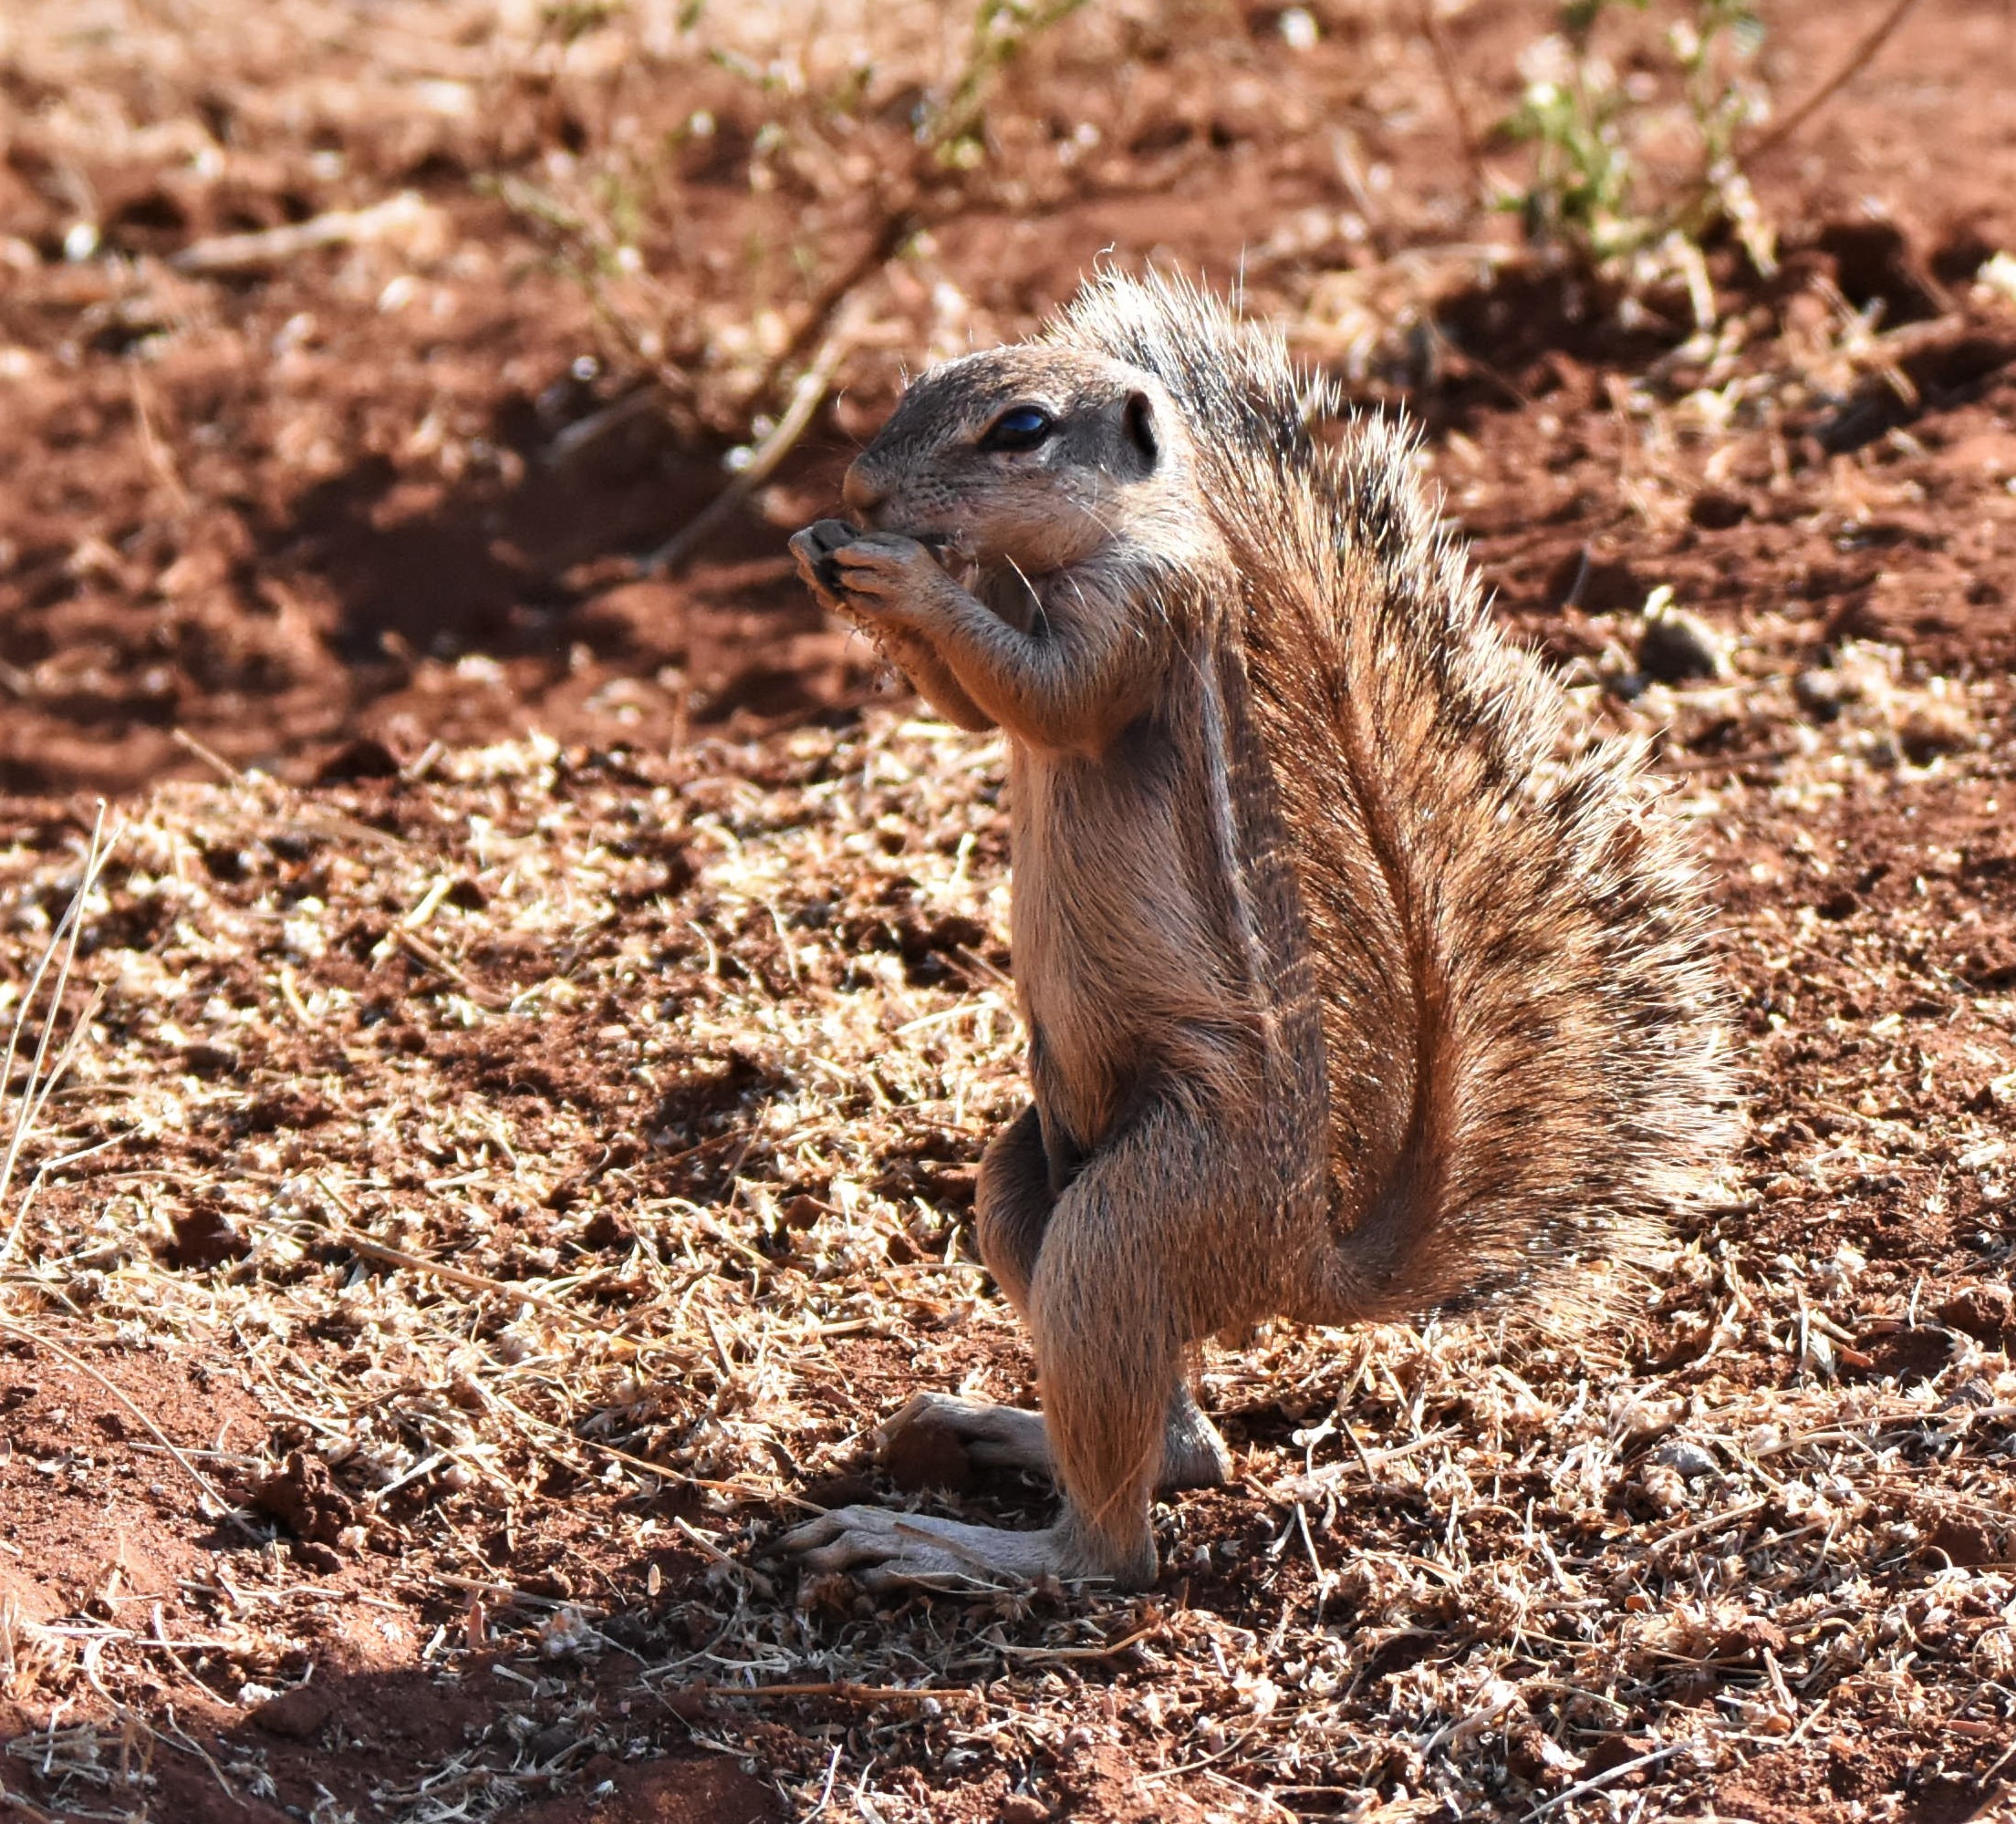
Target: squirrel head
x,y
1035,457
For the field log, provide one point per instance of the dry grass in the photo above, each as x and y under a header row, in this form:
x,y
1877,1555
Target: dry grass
x,y
1450,1572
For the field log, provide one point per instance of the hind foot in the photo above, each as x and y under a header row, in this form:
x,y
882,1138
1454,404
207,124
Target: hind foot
x,y
883,1550
1007,1438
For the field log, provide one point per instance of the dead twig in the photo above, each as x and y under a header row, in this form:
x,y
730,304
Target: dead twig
x,y
406,215
209,757
1596,1782
842,1689
757,1582
424,953
1850,68
807,393
1445,68
159,457
510,1593
11,1800
1154,1631
534,1426
456,1276
900,221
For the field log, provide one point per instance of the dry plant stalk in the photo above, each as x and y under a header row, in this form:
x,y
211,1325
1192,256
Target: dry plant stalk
x,y
44,1074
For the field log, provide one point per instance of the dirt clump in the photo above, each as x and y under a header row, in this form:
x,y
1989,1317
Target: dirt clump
x,y
304,1497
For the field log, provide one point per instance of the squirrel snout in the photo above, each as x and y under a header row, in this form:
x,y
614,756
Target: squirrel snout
x,y
860,492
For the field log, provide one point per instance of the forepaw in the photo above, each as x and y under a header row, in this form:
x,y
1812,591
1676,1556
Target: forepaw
x,y
871,577
883,1550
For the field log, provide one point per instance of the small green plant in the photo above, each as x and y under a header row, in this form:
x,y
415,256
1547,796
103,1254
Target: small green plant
x,y
1590,188
749,355
616,221
1001,30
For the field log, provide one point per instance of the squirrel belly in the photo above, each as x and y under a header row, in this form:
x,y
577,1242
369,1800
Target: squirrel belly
x,y
1161,958
1355,987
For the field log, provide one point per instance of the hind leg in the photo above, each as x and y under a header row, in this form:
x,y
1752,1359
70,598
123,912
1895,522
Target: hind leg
x,y
1110,1307
1013,1206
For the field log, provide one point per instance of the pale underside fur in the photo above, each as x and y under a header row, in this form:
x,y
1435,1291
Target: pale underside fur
x,y
1352,991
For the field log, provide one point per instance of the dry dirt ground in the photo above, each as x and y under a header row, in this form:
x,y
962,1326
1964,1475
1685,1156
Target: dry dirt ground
x,y
507,1132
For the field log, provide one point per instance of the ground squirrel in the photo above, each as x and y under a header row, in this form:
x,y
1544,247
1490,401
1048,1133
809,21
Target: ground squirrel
x,y
1352,989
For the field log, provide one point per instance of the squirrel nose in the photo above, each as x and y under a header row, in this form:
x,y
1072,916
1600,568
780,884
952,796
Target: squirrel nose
x,y
861,494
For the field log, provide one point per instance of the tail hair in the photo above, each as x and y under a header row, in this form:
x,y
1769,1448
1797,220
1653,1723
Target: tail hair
x,y
1523,1027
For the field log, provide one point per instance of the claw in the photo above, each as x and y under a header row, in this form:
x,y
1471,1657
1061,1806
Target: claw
x,y
814,549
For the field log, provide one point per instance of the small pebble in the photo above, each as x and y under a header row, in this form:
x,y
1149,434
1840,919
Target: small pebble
x,y
1686,1459
1677,646
1820,692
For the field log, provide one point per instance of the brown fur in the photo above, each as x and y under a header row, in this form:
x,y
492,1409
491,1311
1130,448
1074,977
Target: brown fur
x,y
1347,997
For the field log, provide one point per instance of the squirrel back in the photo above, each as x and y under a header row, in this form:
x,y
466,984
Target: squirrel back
x,y
1522,1031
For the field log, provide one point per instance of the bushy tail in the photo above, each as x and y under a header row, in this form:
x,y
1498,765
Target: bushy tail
x,y
1523,1031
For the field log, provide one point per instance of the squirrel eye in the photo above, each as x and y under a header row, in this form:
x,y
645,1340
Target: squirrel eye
x,y
1021,427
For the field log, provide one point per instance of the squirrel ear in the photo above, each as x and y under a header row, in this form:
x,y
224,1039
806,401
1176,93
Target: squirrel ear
x,y
1138,415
